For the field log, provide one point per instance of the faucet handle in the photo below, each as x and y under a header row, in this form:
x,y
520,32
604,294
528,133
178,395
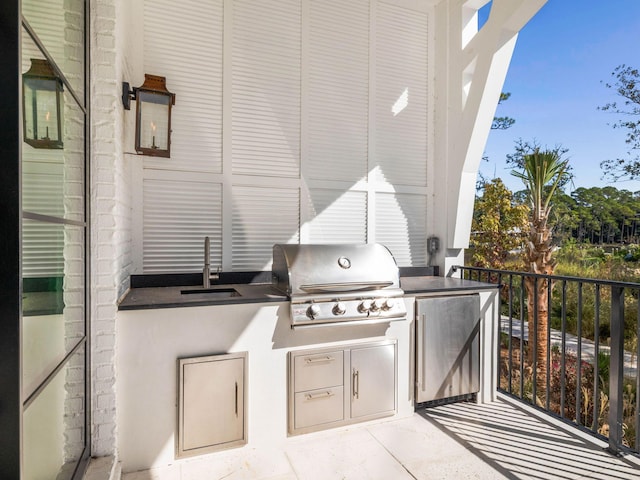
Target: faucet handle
x,y
216,275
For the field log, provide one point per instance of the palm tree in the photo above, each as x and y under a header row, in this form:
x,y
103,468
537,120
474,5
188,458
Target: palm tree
x,y
542,172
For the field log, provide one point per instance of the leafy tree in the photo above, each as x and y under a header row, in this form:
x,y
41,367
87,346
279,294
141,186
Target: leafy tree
x,y
626,83
498,225
502,123
564,218
606,215
542,173
586,201
498,123
524,148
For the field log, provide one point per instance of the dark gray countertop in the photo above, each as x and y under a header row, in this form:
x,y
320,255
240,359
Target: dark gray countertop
x,y
171,297
417,285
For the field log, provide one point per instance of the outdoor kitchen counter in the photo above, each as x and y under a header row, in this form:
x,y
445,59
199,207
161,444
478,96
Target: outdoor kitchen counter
x,y
435,285
143,298
171,297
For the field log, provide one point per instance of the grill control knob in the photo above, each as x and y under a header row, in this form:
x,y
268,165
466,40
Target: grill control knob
x,y
313,311
376,305
339,308
364,306
388,304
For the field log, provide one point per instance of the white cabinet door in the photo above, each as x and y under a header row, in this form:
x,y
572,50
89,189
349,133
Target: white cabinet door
x,y
373,380
211,406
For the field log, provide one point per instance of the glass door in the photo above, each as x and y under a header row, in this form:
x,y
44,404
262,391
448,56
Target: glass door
x,y
54,322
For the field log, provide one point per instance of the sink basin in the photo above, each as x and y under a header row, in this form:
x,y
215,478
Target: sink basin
x,y
212,292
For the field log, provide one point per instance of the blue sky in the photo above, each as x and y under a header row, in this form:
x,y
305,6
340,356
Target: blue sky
x,y
556,79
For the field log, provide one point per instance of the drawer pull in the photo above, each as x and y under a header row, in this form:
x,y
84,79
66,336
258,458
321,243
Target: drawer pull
x,y
325,358
315,396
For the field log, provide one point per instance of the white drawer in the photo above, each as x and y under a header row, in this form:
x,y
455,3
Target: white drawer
x,y
317,407
318,370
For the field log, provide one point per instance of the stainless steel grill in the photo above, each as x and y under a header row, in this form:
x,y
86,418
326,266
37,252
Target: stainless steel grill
x,y
330,284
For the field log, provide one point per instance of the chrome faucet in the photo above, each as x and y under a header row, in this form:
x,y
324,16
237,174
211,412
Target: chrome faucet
x,y
207,276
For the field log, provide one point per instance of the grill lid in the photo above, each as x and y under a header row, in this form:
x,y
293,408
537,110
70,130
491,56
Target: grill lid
x,y
318,269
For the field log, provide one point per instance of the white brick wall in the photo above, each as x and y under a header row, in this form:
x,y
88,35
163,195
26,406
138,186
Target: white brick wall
x,y
110,214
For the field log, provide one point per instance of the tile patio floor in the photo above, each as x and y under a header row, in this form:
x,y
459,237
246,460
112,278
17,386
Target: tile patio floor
x,y
501,440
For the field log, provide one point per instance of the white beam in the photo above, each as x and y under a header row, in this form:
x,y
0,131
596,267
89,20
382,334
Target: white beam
x,y
475,67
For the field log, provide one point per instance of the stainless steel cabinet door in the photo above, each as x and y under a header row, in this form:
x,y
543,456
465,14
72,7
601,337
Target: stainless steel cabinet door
x,y
211,406
373,380
447,347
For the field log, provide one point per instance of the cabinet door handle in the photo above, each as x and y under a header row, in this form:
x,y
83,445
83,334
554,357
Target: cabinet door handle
x,y
236,401
325,358
420,354
356,383
314,396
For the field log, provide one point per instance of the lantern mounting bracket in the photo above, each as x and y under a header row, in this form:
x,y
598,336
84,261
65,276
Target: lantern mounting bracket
x,y
128,94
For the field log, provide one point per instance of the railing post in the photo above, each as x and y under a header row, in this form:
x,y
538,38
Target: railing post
x,y
616,369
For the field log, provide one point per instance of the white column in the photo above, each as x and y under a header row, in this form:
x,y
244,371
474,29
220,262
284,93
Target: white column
x,y
471,67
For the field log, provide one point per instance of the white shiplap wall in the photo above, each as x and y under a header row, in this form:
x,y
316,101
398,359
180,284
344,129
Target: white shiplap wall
x,y
338,217
265,87
183,42
262,216
401,226
399,167
338,90
286,129
177,217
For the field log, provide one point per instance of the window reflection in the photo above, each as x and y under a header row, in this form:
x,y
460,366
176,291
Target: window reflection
x,y
53,179
54,428
54,318
59,25
53,297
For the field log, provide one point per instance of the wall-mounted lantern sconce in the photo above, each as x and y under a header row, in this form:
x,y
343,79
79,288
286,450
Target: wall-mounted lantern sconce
x,y
153,115
42,105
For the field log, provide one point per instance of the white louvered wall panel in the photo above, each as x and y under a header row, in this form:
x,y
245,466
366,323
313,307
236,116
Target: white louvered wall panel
x,y
401,226
177,217
401,79
262,217
42,185
46,17
42,193
338,89
59,26
183,42
42,245
339,216
266,88
347,89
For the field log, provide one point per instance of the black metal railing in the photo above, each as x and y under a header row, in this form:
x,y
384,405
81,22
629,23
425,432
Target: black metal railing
x,y
589,376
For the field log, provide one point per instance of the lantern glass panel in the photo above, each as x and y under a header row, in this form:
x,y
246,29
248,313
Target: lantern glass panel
x,y
41,98
153,118
53,178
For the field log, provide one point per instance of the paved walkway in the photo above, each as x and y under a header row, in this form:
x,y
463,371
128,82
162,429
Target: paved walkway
x,y
571,344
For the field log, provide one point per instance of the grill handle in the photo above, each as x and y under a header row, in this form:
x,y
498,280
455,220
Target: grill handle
x,y
349,323
344,287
